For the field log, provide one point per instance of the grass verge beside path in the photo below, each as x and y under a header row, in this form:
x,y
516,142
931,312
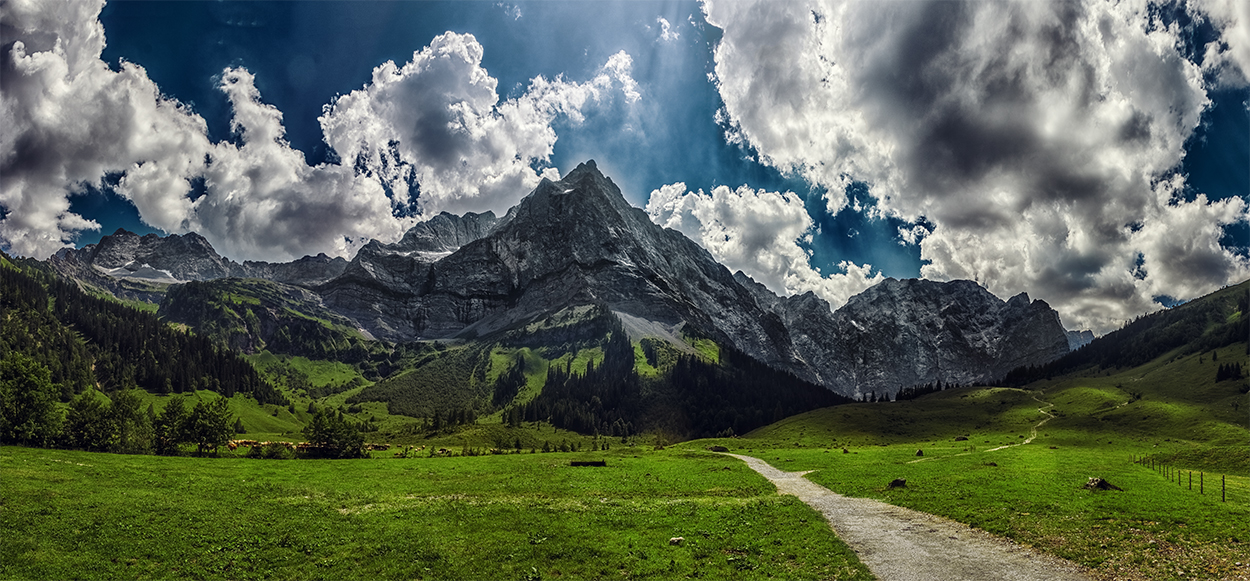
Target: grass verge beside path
x,y
1154,529
526,516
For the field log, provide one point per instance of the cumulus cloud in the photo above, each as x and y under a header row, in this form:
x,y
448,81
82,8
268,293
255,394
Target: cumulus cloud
x,y
759,233
1229,56
437,125
69,120
427,136
667,32
1035,138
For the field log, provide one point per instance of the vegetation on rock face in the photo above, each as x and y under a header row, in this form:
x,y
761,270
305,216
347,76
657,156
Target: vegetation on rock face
x,y
597,383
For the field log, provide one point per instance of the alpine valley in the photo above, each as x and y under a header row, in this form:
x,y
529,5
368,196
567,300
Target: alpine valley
x,y
575,308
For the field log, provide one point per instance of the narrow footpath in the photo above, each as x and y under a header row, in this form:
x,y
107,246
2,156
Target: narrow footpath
x,y
900,544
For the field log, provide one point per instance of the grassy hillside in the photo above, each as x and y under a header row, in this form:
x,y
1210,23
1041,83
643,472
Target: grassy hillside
x,y
518,516
976,467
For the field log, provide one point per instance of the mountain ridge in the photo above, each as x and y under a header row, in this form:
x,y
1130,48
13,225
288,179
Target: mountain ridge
x,y
576,241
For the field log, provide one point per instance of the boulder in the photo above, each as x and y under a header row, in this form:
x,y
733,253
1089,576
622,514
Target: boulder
x,y
717,449
1096,483
961,438
897,483
920,452
675,541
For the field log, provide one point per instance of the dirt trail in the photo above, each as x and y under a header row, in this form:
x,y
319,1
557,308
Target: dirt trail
x,y
900,544
1033,434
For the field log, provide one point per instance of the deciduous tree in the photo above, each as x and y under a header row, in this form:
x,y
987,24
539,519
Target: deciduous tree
x,y
28,412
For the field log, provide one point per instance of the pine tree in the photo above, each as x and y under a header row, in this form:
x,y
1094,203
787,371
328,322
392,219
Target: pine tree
x,y
89,423
134,430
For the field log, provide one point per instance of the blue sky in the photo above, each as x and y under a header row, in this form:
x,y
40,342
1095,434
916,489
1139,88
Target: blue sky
x,y
817,146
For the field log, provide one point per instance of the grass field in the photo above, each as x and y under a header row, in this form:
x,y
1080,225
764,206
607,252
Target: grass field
x,y
527,516
524,516
1170,411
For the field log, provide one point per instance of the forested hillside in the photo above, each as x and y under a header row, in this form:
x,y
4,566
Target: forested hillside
x,y
1216,320
85,341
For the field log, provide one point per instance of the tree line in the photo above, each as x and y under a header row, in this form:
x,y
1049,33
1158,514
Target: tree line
x,y
96,422
1228,371
93,421
87,341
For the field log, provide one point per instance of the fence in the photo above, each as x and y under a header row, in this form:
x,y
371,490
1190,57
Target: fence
x,y
1227,488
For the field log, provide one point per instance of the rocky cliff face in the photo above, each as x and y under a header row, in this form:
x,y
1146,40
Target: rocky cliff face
x,y
901,333
1078,339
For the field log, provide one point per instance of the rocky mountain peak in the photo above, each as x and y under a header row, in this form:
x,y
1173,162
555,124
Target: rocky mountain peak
x,y
446,232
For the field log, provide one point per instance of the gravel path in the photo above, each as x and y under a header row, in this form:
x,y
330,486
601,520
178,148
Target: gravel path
x,y
900,544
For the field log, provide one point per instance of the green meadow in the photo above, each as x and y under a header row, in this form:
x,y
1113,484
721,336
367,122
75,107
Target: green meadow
x,y
71,515
963,453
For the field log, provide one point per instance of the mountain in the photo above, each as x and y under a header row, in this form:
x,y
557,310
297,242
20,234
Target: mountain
x,y
903,333
1078,339
572,244
137,266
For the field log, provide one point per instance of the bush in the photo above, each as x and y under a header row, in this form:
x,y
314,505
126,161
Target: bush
x,y
271,451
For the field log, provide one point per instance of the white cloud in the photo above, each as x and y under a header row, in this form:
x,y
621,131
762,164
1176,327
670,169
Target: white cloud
x,y
510,9
758,232
1032,136
437,121
434,125
69,120
1229,56
667,32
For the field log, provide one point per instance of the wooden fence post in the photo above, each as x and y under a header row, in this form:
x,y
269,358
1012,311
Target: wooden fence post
x,y
1200,491
1191,479
1223,489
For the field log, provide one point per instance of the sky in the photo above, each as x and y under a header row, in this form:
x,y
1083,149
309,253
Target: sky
x,y
1095,155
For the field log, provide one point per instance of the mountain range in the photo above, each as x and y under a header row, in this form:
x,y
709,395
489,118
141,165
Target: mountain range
x,y
574,243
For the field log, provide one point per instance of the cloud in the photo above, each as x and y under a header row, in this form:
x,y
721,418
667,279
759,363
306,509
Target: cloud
x,y
427,136
758,232
1229,56
436,125
69,120
667,32
1035,138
